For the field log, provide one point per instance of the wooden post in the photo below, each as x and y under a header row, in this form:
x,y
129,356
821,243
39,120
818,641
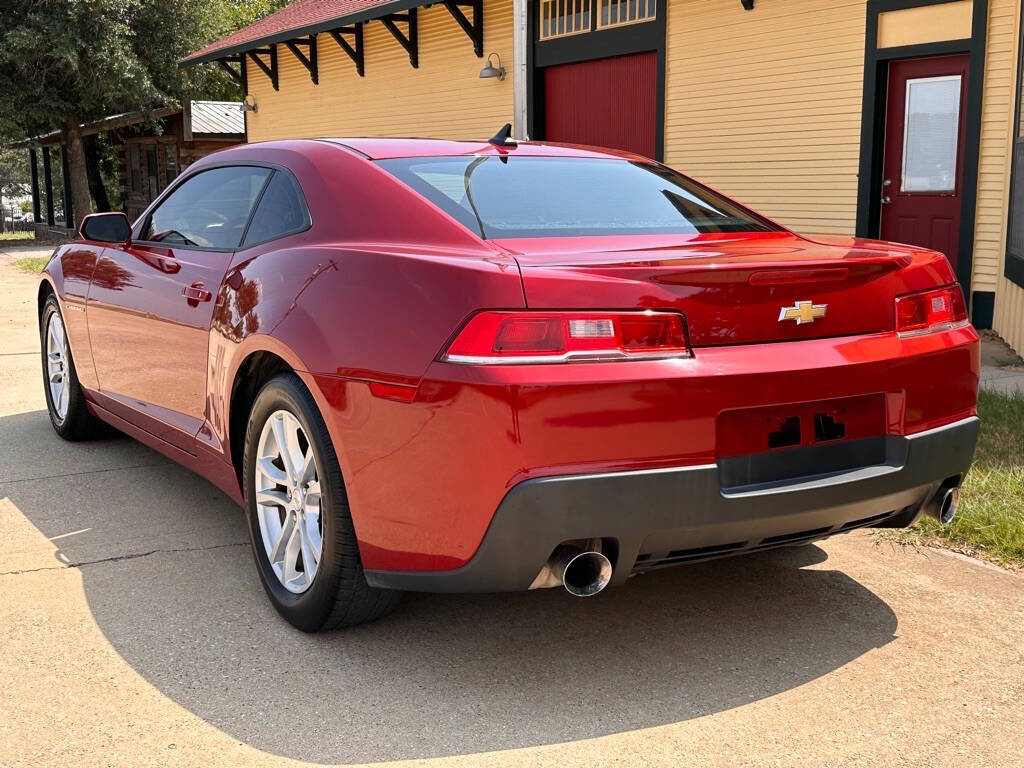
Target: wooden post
x,y
34,168
69,214
48,185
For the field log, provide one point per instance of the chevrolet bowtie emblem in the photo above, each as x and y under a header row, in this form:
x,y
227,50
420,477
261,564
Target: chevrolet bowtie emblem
x,y
803,312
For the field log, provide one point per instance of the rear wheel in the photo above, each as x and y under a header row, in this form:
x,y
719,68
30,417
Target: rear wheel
x,y
299,519
65,400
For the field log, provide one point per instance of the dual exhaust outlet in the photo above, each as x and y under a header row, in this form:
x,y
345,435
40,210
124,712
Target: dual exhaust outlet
x,y
583,570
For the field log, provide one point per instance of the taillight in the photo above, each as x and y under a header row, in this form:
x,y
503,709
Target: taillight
x,y
941,309
512,338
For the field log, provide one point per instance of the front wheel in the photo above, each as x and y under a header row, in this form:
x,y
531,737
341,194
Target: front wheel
x,y
65,400
299,519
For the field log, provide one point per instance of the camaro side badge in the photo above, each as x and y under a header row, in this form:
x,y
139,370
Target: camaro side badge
x,y
803,312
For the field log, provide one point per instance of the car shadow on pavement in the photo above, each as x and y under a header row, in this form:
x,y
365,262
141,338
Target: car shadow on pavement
x,y
445,674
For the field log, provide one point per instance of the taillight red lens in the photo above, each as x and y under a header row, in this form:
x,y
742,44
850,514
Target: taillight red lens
x,y
551,337
928,311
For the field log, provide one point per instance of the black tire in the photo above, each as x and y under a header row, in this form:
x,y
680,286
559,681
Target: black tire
x,y
77,423
339,595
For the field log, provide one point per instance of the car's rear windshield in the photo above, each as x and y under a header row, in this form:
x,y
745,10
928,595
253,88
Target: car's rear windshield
x,y
508,197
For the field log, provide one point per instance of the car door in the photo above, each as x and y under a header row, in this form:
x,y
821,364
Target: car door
x,y
151,301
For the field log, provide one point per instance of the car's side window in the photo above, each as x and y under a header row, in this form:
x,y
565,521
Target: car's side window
x,y
281,210
209,210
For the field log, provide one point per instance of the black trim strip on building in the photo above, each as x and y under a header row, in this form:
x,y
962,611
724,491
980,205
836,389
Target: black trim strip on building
x,y
872,132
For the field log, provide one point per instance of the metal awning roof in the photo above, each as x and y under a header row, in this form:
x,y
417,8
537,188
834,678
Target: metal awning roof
x,y
208,118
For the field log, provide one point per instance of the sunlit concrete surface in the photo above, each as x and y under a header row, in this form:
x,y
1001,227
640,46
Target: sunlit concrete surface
x,y
134,632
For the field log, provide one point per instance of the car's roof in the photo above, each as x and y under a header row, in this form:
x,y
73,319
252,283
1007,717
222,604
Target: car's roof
x,y
382,148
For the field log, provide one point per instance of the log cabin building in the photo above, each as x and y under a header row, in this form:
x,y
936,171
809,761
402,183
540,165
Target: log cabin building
x,y
150,156
898,119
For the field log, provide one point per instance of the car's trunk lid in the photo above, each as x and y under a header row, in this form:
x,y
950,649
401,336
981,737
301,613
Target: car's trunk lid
x,y
733,288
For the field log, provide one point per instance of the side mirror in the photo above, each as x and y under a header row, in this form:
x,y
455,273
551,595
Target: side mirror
x,y
106,228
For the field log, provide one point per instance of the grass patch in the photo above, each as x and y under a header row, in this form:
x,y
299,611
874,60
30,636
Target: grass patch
x,y
16,238
33,264
991,518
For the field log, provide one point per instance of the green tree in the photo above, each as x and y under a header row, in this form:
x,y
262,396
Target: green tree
x,y
68,62
14,172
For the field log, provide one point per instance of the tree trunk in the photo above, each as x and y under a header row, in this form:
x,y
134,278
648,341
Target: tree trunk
x,y
92,167
81,202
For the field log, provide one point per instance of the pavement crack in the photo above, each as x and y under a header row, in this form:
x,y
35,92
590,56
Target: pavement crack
x,y
85,472
119,558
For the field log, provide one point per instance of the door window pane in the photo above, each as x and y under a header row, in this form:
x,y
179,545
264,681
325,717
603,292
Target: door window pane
x,y
282,209
931,134
210,210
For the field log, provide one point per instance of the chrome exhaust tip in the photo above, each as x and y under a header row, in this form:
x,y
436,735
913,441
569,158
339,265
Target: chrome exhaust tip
x,y
949,505
586,574
944,505
582,570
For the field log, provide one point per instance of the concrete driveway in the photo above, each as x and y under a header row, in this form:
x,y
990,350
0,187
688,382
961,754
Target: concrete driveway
x,y
133,631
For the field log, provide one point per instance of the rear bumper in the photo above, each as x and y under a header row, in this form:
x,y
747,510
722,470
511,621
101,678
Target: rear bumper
x,y
661,517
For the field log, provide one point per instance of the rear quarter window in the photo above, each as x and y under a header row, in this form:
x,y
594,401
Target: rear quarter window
x,y
282,210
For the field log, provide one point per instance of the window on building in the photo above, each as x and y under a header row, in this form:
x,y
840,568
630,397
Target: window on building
x,y
561,18
281,211
208,210
171,151
152,173
616,13
135,168
1014,269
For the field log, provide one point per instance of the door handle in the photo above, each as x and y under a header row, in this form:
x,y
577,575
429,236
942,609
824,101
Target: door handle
x,y
196,293
886,199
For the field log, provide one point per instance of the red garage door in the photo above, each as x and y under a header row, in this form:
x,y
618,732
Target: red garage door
x,y
606,102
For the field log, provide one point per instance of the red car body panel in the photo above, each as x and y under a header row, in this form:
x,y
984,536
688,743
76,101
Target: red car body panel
x,y
363,302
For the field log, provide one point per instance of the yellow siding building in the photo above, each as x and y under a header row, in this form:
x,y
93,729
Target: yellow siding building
x,y
882,118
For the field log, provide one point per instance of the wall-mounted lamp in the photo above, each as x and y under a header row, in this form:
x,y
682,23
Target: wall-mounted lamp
x,y
249,104
748,5
493,71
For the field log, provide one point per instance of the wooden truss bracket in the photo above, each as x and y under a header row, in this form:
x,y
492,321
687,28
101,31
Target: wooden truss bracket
x,y
225,64
474,29
409,40
353,49
270,70
307,58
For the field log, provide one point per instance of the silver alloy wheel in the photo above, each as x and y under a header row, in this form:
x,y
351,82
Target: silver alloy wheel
x,y
288,501
57,365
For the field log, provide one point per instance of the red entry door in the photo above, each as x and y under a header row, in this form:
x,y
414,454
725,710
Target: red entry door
x,y
924,148
605,103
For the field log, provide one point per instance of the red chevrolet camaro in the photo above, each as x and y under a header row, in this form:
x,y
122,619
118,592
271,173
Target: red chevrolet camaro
x,y
461,366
